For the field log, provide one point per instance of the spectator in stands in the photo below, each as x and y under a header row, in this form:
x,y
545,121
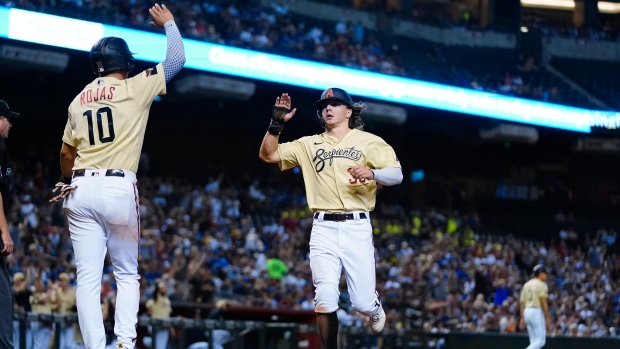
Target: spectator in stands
x,y
276,268
160,308
64,303
440,252
21,296
220,337
41,302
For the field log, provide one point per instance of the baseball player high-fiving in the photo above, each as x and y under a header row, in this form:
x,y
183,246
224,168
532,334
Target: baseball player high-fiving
x,y
340,168
101,147
534,308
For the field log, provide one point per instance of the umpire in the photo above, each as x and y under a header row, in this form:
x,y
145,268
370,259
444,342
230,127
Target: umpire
x,y
6,243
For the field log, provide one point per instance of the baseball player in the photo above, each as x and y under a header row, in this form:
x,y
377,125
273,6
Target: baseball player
x,y
159,308
101,147
534,308
341,168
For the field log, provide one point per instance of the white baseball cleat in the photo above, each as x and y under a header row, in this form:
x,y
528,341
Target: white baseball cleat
x,y
377,321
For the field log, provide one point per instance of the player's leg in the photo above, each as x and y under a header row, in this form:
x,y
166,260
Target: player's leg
x,y
533,323
358,260
541,334
88,239
326,268
120,214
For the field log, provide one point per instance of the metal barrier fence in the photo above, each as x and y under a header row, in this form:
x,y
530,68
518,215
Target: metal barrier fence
x,y
53,331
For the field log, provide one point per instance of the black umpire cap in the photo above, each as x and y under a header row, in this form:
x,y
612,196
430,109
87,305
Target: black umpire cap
x,y
6,112
540,268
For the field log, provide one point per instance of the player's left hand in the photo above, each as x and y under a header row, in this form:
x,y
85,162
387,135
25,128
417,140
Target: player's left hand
x,y
548,325
521,324
7,242
361,172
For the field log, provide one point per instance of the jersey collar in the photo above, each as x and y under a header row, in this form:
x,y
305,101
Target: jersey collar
x,y
333,140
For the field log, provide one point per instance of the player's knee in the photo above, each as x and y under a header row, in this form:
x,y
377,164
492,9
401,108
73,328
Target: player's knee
x,y
541,342
367,304
126,274
326,298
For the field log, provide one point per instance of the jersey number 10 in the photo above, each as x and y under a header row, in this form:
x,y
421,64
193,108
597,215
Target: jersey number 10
x,y
91,132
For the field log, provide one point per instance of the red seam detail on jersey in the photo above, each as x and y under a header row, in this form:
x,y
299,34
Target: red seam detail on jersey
x,y
375,259
137,199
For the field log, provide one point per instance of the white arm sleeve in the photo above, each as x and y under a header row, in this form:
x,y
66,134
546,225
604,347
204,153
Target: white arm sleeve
x,y
175,52
388,176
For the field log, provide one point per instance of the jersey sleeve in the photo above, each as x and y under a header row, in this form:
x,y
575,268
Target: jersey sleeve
x,y
381,155
68,135
149,303
290,154
544,291
145,86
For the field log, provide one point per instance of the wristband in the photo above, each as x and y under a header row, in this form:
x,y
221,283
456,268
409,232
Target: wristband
x,y
66,180
276,126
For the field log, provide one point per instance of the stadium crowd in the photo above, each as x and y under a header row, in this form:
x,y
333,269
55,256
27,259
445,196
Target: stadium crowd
x,y
274,29
247,242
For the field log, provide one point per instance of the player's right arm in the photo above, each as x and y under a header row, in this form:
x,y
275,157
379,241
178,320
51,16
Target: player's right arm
x,y
269,149
281,113
68,151
521,309
544,295
68,154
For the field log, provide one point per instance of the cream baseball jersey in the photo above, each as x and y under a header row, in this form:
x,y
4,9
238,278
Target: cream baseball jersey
x,y
532,291
325,161
107,120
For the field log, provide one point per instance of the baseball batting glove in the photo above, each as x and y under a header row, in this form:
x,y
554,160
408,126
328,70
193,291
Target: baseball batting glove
x,y
277,119
64,191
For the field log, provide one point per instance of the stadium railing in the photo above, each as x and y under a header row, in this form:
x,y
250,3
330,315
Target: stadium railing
x,y
290,335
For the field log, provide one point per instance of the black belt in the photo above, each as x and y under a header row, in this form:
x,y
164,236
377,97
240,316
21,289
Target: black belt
x,y
338,216
108,173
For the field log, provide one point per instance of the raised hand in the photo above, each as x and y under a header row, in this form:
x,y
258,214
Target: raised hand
x,y
160,15
282,108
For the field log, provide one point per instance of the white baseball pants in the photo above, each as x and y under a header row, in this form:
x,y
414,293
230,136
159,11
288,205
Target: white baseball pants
x,y
103,215
536,330
348,245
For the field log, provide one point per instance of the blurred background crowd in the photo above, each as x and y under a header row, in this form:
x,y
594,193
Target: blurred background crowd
x,y
218,237
271,27
246,241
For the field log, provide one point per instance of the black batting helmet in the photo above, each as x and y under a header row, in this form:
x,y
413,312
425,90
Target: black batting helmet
x,y
111,53
540,268
342,96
